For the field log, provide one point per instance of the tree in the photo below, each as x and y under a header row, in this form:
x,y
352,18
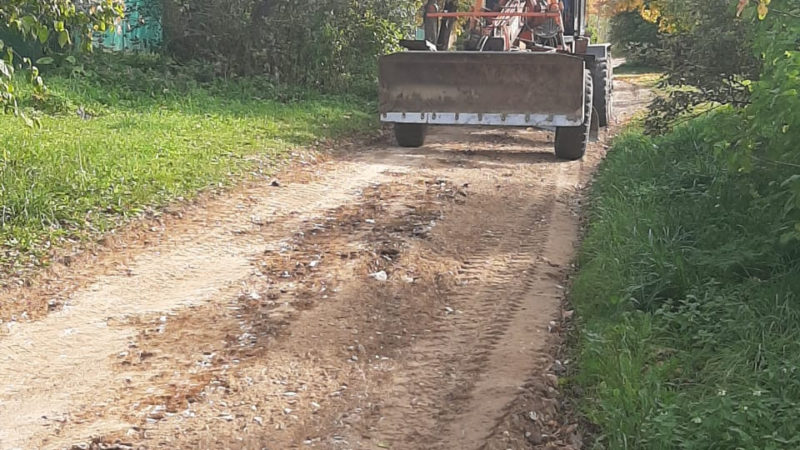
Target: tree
x,y
54,23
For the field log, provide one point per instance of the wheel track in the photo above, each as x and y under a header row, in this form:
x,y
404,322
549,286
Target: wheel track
x,y
437,396
533,313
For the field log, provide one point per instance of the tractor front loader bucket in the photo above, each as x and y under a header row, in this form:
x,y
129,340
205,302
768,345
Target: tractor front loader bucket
x,y
482,88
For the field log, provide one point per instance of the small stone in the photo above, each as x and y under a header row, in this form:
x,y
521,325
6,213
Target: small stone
x,y
380,276
258,420
535,439
549,263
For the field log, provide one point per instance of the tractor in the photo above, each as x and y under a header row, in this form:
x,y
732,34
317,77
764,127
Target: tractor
x,y
518,63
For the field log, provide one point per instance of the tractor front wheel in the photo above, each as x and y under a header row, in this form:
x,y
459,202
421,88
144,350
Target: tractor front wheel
x,y
410,134
571,141
603,87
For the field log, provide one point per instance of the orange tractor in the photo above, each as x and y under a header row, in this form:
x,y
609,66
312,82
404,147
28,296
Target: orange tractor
x,y
522,63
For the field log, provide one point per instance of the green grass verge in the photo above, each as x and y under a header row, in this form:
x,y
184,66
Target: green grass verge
x,y
642,75
689,317
124,133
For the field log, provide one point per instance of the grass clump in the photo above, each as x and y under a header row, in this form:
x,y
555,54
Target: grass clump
x,y
123,133
689,317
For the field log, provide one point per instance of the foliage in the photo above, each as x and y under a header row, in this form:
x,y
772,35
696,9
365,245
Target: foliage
x,y
711,51
768,129
687,299
331,44
636,38
708,58
47,21
128,133
753,64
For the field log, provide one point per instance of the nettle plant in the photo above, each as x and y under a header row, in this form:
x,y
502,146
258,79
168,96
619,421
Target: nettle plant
x,y
55,25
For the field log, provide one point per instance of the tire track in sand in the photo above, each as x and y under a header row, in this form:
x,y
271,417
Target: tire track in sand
x,y
437,385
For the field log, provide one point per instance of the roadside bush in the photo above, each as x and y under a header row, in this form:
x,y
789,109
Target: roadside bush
x,y
635,38
44,24
331,44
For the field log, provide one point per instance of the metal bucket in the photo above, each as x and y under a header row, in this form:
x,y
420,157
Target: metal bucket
x,y
482,88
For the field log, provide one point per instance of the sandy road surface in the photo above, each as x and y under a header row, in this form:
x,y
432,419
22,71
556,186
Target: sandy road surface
x,y
385,298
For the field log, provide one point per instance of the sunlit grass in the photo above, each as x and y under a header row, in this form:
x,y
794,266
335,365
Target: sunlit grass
x,y
117,140
638,74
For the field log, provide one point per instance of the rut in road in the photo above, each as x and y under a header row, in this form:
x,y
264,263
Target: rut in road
x,y
440,377
391,298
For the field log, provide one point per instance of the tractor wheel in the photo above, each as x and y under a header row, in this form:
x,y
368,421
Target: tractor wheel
x,y
571,141
603,85
410,134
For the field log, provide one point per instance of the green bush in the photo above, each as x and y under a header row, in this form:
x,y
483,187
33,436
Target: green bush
x,y
332,45
707,53
635,38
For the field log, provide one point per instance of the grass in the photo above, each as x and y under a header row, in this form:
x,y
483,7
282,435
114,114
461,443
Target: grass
x,y
121,134
639,74
687,301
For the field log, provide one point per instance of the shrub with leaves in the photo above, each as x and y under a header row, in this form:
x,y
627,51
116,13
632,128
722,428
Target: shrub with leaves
x,y
768,130
330,44
707,55
636,38
50,22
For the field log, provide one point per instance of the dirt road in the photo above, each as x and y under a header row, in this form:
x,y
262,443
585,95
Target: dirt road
x,y
384,298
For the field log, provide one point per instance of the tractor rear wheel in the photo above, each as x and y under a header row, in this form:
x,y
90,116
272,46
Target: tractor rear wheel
x,y
603,83
571,141
410,134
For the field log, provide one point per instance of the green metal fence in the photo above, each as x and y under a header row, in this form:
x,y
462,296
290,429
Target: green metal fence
x,y
140,30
